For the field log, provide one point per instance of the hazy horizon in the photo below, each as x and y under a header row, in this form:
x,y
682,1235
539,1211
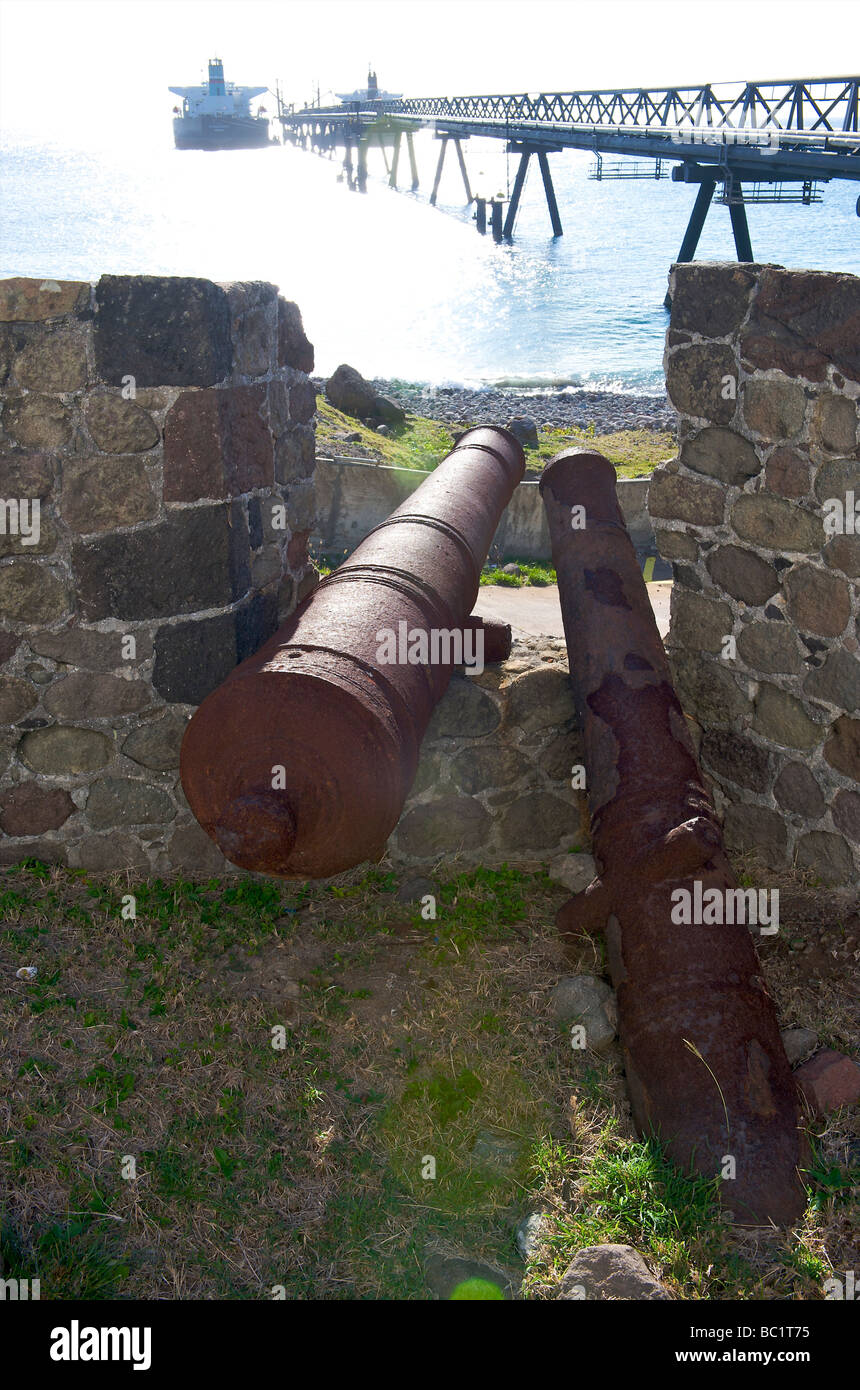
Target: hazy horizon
x,y
99,70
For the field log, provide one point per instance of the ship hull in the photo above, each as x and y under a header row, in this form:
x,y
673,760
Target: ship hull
x,y
220,133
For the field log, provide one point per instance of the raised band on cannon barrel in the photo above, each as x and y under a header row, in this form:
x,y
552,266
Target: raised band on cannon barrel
x,y
299,764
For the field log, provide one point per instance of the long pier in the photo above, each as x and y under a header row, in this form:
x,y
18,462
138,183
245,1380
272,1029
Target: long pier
x,y
755,142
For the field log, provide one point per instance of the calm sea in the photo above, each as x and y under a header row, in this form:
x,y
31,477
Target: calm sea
x,y
385,282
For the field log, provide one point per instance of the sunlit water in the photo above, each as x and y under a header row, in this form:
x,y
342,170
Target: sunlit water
x,y
386,282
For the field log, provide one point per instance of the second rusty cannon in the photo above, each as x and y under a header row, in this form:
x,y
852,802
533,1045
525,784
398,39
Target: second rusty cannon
x,y
706,1067
300,762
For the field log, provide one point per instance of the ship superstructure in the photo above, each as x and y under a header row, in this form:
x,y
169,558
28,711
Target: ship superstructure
x,y
366,96
217,115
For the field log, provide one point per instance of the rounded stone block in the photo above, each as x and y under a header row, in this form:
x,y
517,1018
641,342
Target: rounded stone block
x,y
38,422
447,826
774,409
837,681
787,473
784,720
539,699
846,814
698,623
826,855
117,801
678,498
796,790
535,821
102,854
736,759
119,426
722,454
834,423
60,751
842,749
756,828
31,593
55,361
696,380
465,711
487,765
83,695
30,809
104,494
743,574
770,647
707,690
16,698
157,745
676,545
818,601
776,524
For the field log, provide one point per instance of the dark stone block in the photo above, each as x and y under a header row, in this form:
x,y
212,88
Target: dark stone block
x,y
743,574
162,330
819,310
255,623
255,523
192,658
797,790
217,444
194,560
29,809
710,299
735,758
294,350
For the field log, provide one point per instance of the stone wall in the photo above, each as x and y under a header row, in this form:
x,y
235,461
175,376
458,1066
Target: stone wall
x,y
494,781
164,426
763,366
353,497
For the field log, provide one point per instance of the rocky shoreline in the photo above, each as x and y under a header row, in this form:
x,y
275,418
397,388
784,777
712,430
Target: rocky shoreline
x,y
560,409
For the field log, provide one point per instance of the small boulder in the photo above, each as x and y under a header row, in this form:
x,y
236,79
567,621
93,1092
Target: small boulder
x,y
531,1233
585,1000
512,569
798,1043
575,871
829,1081
612,1273
348,391
524,428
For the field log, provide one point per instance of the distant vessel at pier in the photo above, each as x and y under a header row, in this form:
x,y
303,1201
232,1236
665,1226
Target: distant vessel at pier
x,y
368,94
217,115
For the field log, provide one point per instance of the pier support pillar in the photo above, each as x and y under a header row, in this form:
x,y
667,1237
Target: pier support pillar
x,y
412,164
694,227
496,215
439,167
481,215
557,229
362,166
514,204
395,160
459,149
740,229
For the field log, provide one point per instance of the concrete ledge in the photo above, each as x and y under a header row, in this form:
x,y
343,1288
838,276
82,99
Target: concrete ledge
x,y
352,497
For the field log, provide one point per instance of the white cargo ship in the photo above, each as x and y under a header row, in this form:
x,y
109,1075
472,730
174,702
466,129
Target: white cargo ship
x,y
217,115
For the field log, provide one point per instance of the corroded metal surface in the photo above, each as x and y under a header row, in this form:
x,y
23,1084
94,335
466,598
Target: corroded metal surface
x,y
706,1067
299,764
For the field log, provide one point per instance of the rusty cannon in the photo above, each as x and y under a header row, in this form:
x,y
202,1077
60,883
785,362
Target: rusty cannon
x,y
300,762
706,1068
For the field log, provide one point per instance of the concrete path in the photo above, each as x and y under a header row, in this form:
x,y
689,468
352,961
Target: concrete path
x,y
537,611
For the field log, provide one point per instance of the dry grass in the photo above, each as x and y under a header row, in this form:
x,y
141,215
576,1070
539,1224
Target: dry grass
x,y
403,1038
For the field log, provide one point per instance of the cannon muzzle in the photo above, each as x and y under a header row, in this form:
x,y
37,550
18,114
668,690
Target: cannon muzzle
x,y
705,1064
300,762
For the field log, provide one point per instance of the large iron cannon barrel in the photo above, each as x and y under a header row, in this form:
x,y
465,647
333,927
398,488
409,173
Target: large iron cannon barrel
x,y
300,762
706,1068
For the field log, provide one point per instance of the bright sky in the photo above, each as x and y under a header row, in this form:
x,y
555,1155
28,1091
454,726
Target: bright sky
x,y
77,70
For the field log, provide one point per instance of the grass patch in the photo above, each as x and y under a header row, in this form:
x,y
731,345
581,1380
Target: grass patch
x,y
242,1087
418,443
422,443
